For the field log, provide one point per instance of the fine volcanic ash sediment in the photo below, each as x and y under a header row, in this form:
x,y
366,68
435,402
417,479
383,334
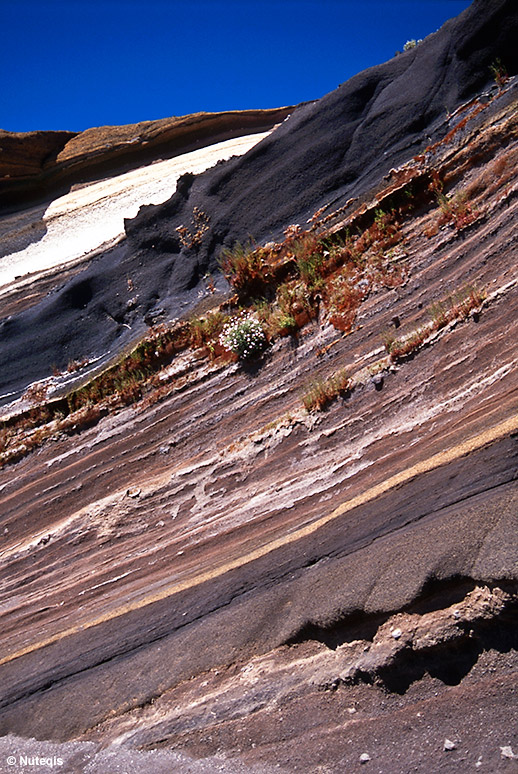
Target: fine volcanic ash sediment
x,y
324,154
304,559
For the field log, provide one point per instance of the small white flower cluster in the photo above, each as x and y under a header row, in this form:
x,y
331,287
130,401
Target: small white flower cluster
x,y
245,337
411,44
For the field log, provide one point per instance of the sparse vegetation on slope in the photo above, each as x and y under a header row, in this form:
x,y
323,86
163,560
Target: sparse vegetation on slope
x,y
456,308
322,391
323,274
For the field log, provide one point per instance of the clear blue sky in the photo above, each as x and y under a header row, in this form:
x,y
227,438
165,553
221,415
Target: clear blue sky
x,y
71,64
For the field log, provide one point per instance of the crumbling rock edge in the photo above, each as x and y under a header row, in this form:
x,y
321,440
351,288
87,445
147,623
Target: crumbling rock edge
x,y
35,165
444,642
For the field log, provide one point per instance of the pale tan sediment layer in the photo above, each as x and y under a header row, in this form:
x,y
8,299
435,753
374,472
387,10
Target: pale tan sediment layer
x,y
223,528
92,217
488,436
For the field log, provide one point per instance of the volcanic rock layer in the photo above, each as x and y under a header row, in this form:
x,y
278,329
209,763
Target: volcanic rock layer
x,y
324,154
34,165
226,574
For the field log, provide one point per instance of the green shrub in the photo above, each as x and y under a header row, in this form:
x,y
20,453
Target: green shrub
x,y
244,337
500,74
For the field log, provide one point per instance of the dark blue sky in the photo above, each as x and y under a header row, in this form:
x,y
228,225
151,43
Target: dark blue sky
x,y
71,64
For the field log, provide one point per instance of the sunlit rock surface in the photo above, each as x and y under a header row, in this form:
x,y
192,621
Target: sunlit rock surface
x,y
91,217
224,581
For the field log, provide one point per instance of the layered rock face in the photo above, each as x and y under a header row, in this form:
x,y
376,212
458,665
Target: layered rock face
x,y
34,165
323,155
41,244
254,567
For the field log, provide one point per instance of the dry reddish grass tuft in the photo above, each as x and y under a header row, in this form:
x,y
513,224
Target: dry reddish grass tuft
x,y
247,269
206,330
457,307
322,391
401,348
193,236
455,209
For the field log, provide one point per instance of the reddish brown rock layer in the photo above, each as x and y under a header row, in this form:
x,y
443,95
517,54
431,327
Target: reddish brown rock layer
x,y
37,164
222,572
26,154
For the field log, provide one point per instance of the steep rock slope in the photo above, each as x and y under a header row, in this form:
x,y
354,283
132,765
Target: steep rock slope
x,y
221,573
41,243
34,165
324,153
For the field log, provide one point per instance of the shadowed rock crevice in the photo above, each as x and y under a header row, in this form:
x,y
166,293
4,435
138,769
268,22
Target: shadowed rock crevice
x,y
435,596
453,660
445,640
355,626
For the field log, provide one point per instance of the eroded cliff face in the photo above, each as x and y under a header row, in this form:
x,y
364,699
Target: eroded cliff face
x,y
326,153
35,165
225,575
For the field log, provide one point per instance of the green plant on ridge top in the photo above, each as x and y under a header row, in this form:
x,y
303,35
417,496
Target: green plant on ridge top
x,y
244,337
500,74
